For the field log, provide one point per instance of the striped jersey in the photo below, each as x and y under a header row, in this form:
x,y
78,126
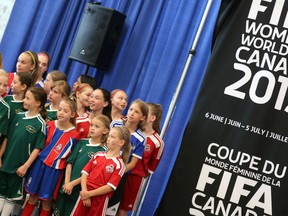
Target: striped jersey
x,y
58,145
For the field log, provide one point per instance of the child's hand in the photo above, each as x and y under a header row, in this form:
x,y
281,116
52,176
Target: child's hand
x,y
68,187
87,202
21,171
84,195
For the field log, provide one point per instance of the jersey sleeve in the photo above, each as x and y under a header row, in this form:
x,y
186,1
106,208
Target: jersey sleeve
x,y
41,137
75,152
117,174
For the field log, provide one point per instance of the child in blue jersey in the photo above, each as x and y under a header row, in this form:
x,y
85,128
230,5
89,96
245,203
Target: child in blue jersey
x,y
136,119
85,149
46,171
26,138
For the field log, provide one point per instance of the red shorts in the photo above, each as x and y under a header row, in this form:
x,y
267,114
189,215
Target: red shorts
x,y
98,206
131,192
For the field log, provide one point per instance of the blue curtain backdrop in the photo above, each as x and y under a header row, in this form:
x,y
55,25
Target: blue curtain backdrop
x,y
147,64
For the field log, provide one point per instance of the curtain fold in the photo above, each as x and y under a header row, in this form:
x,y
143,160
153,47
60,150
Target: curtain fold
x,y
147,63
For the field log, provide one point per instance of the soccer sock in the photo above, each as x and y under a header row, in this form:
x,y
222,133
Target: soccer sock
x,y
2,201
45,212
8,207
28,209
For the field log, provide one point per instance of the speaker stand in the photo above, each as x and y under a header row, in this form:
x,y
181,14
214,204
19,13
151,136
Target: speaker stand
x,y
87,69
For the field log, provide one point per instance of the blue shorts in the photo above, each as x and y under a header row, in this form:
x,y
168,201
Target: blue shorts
x,y
42,180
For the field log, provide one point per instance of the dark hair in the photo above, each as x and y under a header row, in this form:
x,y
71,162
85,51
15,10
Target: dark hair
x,y
156,109
49,59
35,62
40,95
84,78
25,78
124,134
107,97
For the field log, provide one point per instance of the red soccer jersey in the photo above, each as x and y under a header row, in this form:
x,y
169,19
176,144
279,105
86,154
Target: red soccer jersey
x,y
83,125
152,154
102,171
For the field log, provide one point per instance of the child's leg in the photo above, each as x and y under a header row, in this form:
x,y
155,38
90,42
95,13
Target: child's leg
x,y
8,207
29,206
46,205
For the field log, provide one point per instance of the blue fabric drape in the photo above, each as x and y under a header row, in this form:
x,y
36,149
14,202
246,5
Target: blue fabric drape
x,y
147,63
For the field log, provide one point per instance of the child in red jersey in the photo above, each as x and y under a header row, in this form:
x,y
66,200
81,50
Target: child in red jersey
x,y
46,171
154,147
101,176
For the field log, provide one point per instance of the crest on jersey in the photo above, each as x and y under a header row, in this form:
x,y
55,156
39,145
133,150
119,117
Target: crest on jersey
x,y
110,168
147,148
59,147
30,129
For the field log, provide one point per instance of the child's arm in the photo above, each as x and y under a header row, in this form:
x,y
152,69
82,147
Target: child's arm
x,y
96,192
131,164
68,184
21,171
2,150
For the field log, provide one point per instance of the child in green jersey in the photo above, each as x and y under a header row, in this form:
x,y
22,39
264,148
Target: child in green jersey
x,y
26,138
84,150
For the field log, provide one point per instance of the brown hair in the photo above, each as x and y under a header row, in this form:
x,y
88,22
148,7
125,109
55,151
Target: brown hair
x,y
144,109
35,62
25,78
156,109
63,86
80,88
124,134
57,75
73,107
40,95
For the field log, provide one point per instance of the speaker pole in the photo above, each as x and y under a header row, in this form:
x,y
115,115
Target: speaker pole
x,y
87,69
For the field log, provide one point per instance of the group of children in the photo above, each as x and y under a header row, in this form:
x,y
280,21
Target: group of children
x,y
72,148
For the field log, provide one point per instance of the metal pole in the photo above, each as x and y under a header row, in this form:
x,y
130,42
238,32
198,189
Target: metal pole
x,y
175,98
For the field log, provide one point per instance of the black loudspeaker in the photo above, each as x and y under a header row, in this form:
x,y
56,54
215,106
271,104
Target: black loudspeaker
x,y
97,36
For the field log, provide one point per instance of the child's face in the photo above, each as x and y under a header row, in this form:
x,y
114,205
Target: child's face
x,y
3,84
47,83
134,114
29,102
43,63
84,96
55,95
97,129
64,112
96,101
17,85
119,100
24,63
114,140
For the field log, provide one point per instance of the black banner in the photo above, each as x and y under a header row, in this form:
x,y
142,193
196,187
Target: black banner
x,y
234,154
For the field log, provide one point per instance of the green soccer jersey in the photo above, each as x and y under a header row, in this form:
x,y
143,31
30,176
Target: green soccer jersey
x,y
79,158
15,106
51,114
4,116
27,134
